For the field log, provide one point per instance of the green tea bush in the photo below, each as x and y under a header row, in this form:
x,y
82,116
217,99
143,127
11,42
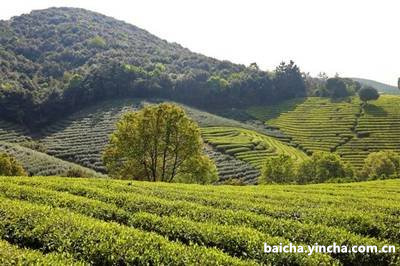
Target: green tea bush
x,y
95,241
13,255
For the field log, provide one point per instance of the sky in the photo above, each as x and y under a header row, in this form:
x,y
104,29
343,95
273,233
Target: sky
x,y
354,38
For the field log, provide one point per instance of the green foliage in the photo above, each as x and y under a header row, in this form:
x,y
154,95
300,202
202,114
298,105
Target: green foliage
x,y
321,167
337,88
205,219
200,169
279,169
9,166
97,42
95,241
289,81
368,94
381,165
155,144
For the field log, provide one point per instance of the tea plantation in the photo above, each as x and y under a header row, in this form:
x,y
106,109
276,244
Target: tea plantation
x,y
38,163
347,127
378,128
248,145
101,221
81,138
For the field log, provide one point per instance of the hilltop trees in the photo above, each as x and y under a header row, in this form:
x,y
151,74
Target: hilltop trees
x,y
158,143
52,66
9,166
337,88
288,81
368,93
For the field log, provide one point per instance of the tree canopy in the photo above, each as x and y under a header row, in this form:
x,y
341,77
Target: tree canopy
x,y
280,169
381,165
158,143
368,93
321,167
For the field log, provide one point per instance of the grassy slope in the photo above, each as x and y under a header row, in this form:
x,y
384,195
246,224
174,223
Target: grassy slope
x,y
234,220
318,124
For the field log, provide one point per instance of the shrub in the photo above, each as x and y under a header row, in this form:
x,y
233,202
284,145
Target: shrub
x,y
9,166
321,167
76,172
278,170
200,169
381,165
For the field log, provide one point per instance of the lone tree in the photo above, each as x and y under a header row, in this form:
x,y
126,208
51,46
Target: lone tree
x,y
368,93
158,143
9,166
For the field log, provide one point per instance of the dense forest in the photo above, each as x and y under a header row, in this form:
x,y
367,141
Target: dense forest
x,y
56,60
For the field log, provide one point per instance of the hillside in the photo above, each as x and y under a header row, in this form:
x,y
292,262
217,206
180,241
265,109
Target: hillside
x,y
56,61
124,222
345,127
381,87
81,137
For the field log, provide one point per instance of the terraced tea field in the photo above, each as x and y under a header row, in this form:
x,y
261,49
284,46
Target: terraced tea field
x,y
318,124
347,128
248,145
82,137
37,163
231,169
377,129
10,132
110,222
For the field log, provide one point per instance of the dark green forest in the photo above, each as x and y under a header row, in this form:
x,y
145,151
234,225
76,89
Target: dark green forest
x,y
57,60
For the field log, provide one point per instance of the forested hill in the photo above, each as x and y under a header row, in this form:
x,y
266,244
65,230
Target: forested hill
x,y
381,87
57,60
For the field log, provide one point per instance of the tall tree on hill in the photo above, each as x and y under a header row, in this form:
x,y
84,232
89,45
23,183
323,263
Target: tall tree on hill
x,y
158,143
288,81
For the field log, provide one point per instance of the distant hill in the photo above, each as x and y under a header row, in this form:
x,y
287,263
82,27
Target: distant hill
x,y
57,60
381,87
